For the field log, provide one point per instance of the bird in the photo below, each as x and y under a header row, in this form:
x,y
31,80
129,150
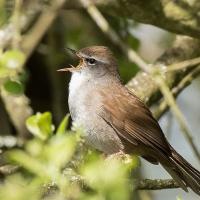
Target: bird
x,y
115,120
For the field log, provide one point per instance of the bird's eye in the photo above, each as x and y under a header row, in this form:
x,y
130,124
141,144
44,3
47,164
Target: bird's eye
x,y
91,61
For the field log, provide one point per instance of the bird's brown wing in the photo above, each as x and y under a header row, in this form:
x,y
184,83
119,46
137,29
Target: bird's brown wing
x,y
132,121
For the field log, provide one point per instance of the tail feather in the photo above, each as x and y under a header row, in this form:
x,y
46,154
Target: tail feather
x,y
183,172
183,163
188,173
176,177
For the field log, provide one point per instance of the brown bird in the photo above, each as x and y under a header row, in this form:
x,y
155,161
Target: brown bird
x,y
115,120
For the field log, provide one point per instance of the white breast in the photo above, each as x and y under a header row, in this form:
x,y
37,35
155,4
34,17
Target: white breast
x,y
78,93
84,106
76,82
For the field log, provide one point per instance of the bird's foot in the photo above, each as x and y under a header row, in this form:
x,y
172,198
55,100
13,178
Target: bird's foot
x,y
126,158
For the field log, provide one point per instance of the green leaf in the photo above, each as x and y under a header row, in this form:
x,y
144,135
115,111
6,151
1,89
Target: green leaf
x,y
63,125
13,59
107,176
40,125
127,70
133,42
13,87
60,150
30,163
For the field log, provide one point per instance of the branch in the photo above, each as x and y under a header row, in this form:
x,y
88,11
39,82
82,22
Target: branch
x,y
8,169
180,17
25,19
148,88
145,184
156,184
144,86
18,107
160,110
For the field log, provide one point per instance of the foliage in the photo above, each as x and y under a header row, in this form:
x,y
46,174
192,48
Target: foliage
x,y
11,63
57,165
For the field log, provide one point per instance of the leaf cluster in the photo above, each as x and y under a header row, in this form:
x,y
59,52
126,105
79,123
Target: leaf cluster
x,y
56,164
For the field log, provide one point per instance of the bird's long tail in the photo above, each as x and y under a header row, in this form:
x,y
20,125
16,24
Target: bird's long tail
x,y
183,172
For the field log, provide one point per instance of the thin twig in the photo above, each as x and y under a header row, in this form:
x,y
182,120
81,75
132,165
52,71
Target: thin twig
x,y
31,39
103,24
19,109
145,184
8,169
16,24
184,64
25,19
159,110
156,184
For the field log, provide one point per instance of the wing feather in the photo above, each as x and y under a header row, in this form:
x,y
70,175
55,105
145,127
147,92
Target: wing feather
x,y
133,121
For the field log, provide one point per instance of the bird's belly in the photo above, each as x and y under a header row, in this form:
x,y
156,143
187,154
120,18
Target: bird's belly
x,y
105,139
100,135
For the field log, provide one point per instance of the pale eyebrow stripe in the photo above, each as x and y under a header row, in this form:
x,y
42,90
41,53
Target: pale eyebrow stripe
x,y
94,57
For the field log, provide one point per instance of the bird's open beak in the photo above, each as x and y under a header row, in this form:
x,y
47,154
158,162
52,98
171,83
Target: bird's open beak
x,y
72,68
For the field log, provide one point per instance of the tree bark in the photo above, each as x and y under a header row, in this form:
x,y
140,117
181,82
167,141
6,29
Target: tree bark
x,y
181,17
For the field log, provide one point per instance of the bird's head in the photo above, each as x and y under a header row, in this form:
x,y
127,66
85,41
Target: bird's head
x,y
94,60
